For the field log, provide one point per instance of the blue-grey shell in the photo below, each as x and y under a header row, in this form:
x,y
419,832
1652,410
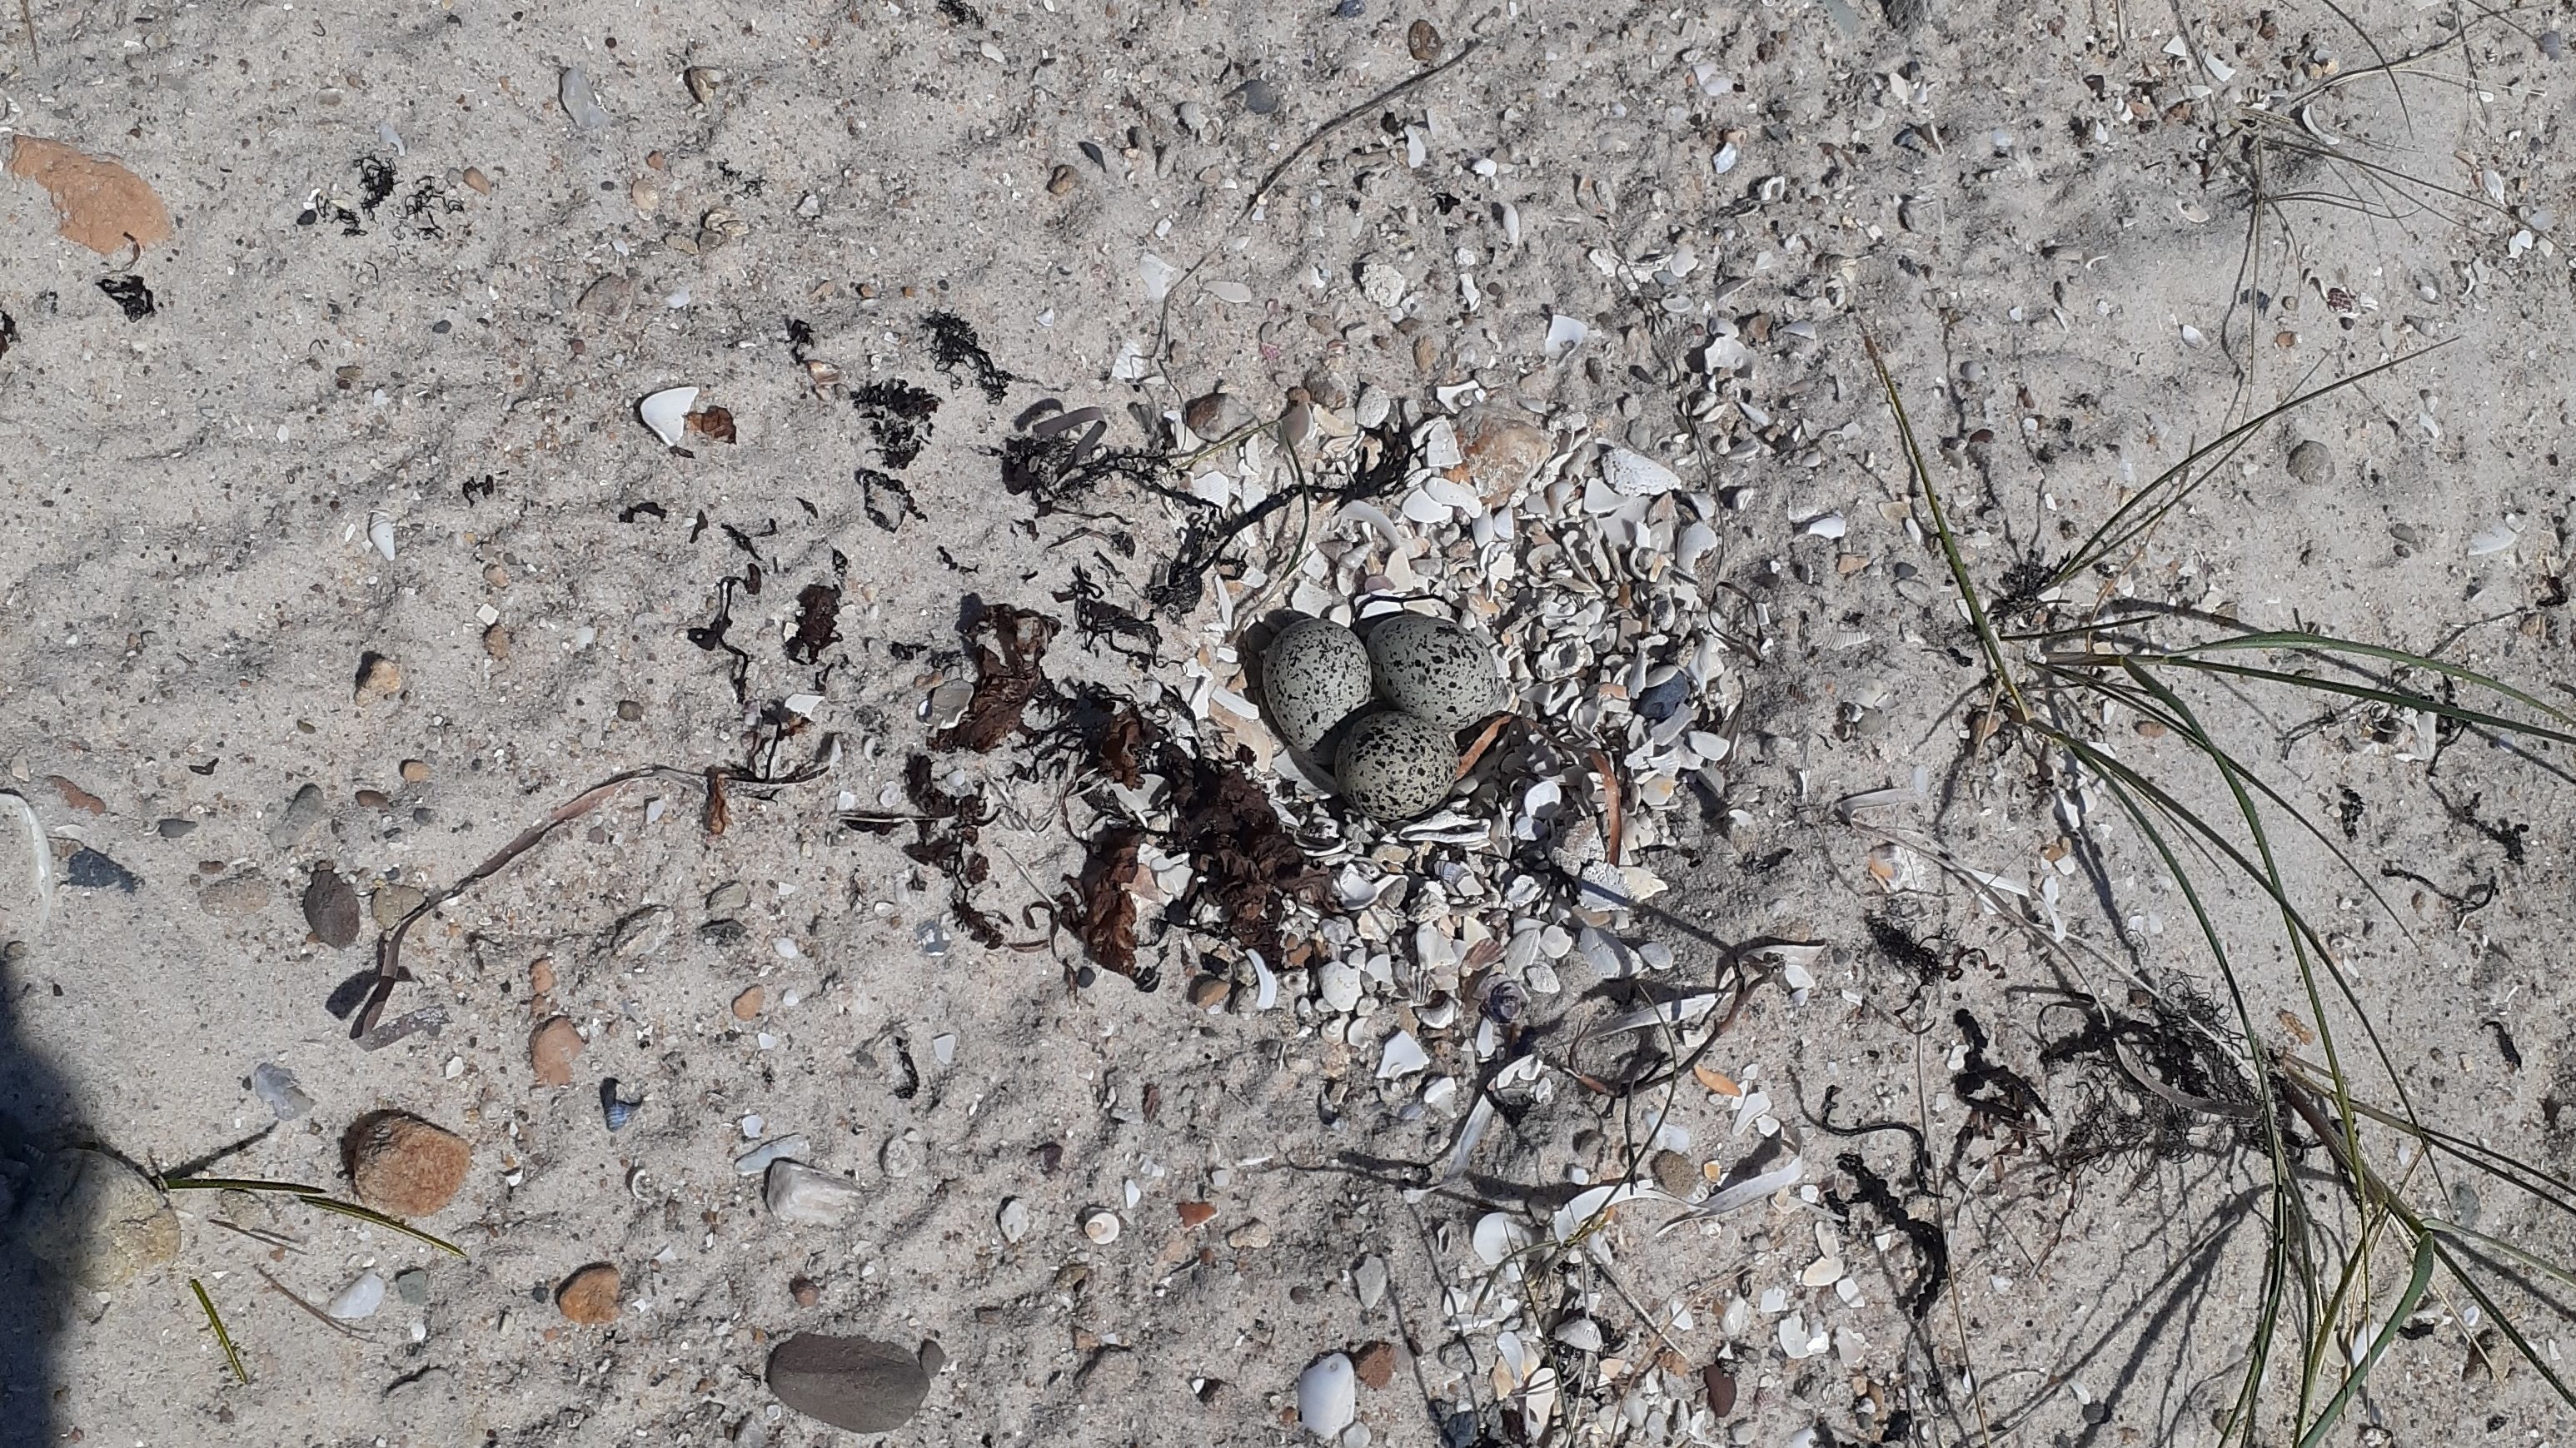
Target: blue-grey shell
x,y
1314,676
615,1109
1394,766
1434,670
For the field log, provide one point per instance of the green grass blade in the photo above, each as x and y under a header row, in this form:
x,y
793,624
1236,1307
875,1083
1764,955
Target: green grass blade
x,y
368,1214
2503,1323
2327,643
2405,1308
2394,698
311,1197
236,1184
223,1339
1986,639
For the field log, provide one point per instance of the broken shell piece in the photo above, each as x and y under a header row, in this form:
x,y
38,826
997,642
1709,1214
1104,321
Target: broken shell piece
x,y
380,532
667,413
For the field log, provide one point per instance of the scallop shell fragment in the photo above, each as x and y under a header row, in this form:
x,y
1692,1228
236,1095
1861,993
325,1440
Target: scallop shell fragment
x,y
667,413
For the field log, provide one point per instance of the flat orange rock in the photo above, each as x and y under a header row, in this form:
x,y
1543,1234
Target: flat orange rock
x,y
103,205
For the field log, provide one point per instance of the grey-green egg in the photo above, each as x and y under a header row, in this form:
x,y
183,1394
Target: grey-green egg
x,y
1434,670
1394,766
1314,675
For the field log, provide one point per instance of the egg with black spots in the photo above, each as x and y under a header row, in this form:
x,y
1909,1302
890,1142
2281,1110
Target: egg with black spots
x,y
1434,670
1393,766
1314,676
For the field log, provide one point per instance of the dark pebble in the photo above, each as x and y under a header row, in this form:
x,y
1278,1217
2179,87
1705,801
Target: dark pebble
x,y
2553,45
852,1383
331,908
1460,1430
723,932
1259,96
1658,701
90,870
1349,10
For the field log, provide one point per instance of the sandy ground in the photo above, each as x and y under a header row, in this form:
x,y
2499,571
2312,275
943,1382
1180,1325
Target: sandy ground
x,y
2037,210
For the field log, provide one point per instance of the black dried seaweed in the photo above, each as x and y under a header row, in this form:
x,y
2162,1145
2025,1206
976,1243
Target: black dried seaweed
x,y
1100,623
2176,1041
962,13
129,292
8,333
2000,1101
429,200
1930,1243
710,636
947,829
898,415
376,182
818,613
645,509
872,486
1009,645
953,344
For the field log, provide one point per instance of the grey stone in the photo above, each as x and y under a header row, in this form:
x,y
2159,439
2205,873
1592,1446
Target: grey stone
x,y
1259,96
853,1383
173,827
97,1220
331,908
299,815
796,1192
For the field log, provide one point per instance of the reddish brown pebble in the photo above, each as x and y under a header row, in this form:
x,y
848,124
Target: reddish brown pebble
x,y
1721,1389
589,1296
551,1049
75,796
475,178
541,976
746,1006
1196,1214
415,771
804,1291
1375,1364
404,1165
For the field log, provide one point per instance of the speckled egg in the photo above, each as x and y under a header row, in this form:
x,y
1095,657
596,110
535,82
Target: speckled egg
x,y
1315,675
1394,766
1434,670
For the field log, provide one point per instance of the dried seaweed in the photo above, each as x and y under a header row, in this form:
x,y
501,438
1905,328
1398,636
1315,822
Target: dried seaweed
x,y
871,484
953,344
1871,1191
129,292
376,181
1100,623
1101,907
2001,1102
1007,676
818,613
2145,1067
898,415
1243,861
710,636
947,830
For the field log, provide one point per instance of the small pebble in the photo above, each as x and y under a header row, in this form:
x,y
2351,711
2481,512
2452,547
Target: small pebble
x,y
1422,41
2311,464
360,1299
173,827
278,1090
1013,1220
855,1384
804,1291
1259,96
589,1296
746,1006
378,678
404,1165
415,771
412,1285
331,908
551,1049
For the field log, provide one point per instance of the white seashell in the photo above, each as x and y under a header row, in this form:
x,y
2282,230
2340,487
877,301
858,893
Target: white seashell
x,y
359,1299
1827,525
1581,1334
2495,539
1636,475
1328,1396
1158,275
667,413
1497,1237
1232,293
1725,159
1338,985
380,532
1402,1057
1101,1227
1564,334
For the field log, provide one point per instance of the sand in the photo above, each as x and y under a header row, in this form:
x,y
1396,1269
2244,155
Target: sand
x,y
379,316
